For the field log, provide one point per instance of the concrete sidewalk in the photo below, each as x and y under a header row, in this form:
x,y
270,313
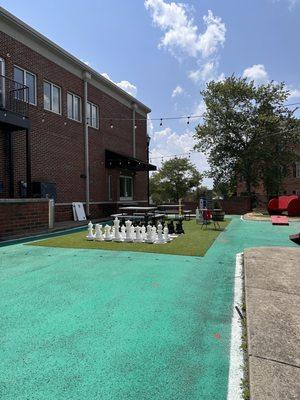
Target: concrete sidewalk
x,y
272,285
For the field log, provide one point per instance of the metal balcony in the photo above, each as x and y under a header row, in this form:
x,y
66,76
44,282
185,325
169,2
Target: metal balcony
x,y
14,104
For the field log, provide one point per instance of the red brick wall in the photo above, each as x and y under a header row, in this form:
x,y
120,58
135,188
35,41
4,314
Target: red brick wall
x,y
22,217
233,205
236,205
58,142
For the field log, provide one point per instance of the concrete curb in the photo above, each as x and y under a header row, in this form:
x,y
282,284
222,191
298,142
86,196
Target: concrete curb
x,y
272,293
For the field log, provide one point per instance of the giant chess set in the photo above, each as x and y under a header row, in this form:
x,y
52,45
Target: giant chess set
x,y
131,232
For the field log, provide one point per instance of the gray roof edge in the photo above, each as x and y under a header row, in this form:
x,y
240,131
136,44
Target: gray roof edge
x,y
54,47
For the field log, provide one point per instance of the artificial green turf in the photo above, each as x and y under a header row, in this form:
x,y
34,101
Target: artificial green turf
x,y
195,241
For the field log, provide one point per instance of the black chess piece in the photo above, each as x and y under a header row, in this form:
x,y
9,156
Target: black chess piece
x,y
122,221
171,227
179,228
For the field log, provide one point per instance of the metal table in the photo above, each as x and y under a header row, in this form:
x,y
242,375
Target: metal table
x,y
144,212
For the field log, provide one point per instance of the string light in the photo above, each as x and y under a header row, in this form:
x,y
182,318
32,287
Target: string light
x,y
188,120
161,124
111,124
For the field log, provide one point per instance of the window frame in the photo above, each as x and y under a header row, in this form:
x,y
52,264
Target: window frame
x,y
109,182
25,71
73,108
89,105
131,179
51,97
297,170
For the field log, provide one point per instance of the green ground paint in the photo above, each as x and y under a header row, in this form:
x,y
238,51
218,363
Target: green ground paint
x,y
93,324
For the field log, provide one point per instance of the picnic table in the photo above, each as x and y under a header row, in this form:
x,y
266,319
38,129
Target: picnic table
x,y
174,209
139,211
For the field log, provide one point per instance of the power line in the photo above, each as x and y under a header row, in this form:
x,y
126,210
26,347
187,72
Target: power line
x,y
161,119
162,157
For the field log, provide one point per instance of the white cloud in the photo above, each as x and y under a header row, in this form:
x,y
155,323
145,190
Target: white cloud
x,y
205,73
88,63
166,143
128,87
291,3
294,94
177,91
214,36
181,36
125,85
256,73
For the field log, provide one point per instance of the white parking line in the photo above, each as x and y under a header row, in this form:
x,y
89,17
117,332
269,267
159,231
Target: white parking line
x,y
236,355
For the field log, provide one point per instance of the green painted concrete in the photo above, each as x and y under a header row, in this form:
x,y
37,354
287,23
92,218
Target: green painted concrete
x,y
93,324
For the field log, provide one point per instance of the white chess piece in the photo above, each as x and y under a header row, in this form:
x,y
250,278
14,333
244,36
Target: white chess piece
x,y
132,232
160,237
166,234
138,237
117,235
90,235
128,237
154,233
149,234
143,231
107,234
98,233
123,232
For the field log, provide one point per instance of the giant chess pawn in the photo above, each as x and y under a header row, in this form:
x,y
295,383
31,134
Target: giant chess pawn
x,y
179,228
138,237
171,227
166,234
107,234
98,233
117,235
149,234
123,232
154,233
143,230
132,232
160,237
90,235
128,237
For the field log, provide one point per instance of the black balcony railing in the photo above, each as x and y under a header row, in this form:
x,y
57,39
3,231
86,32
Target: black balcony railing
x,y
14,96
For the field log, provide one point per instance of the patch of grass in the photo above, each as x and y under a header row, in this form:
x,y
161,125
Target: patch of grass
x,y
195,241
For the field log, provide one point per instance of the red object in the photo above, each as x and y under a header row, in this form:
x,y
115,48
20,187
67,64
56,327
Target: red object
x,y
206,215
289,204
279,220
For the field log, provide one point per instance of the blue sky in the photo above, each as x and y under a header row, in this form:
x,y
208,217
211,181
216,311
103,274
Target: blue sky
x,y
164,52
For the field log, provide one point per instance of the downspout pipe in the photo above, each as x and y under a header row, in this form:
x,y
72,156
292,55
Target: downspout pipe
x,y
134,108
86,78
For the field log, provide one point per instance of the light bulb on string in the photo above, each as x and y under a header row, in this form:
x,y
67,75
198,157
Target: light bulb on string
x,y
188,120
161,124
111,124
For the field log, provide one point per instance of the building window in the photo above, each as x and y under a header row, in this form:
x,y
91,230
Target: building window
x,y
109,187
74,107
297,170
28,79
52,97
92,115
126,188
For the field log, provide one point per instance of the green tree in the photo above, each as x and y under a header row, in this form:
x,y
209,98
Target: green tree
x,y
174,180
247,132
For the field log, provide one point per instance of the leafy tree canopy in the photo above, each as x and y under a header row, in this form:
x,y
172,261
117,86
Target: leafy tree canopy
x,y
248,132
176,178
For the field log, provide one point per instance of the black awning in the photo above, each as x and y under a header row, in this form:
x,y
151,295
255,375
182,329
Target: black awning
x,y
119,161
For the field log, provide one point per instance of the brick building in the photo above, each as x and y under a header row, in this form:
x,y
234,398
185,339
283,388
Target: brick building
x,y
66,126
291,184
